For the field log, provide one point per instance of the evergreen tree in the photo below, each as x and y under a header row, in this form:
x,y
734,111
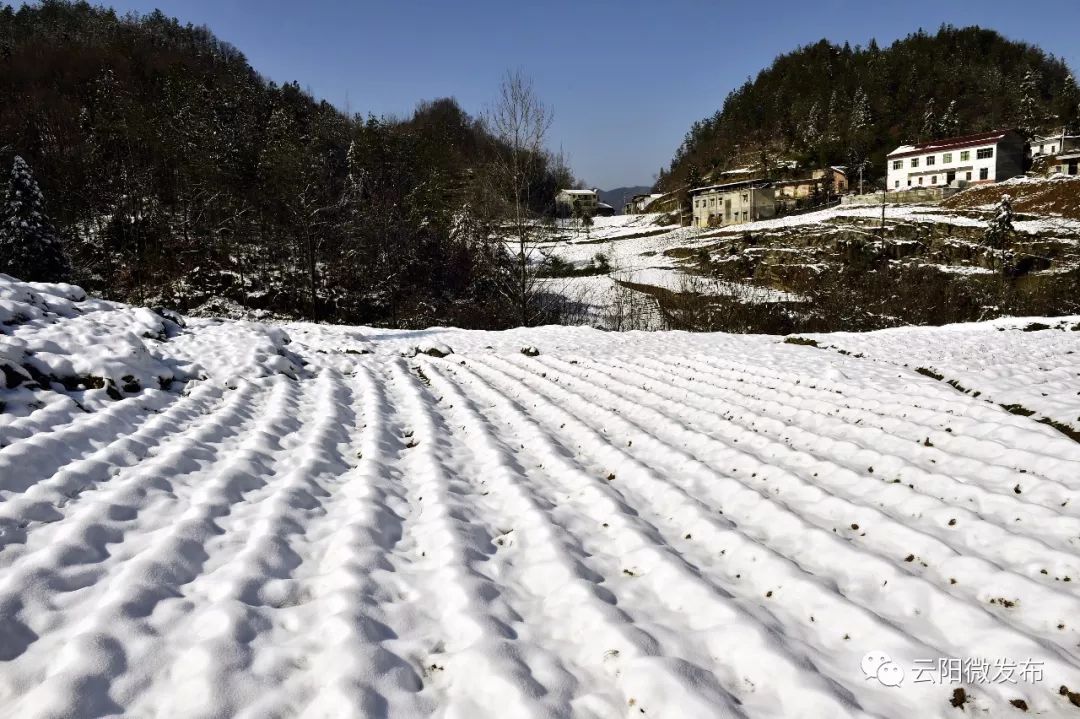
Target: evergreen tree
x,y
859,125
1000,228
29,246
929,128
1029,104
810,132
1068,106
949,125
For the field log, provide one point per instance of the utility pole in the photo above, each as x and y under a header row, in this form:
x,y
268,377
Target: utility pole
x,y
884,192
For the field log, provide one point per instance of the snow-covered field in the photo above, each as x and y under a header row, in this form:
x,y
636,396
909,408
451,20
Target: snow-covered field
x,y
647,254
310,520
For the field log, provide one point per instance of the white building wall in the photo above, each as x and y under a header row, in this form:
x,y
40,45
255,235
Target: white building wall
x,y
732,207
907,177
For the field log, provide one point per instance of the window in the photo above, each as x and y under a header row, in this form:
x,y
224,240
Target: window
x,y
897,164
914,162
909,182
984,153
920,180
745,197
930,160
946,158
965,155
745,215
897,185
933,180
968,178
984,173
1053,149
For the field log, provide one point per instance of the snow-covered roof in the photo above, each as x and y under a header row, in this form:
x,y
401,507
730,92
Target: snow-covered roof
x,y
604,204
731,185
577,192
950,143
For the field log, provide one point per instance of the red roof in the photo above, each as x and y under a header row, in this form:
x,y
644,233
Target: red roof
x,y
950,143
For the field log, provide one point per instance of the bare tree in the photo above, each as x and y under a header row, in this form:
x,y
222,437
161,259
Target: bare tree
x,y
521,122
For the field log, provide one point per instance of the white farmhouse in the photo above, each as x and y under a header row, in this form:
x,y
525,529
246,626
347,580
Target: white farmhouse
x,y
732,203
985,157
566,201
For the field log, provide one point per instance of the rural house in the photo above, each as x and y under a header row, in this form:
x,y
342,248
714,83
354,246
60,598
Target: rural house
x,y
822,184
566,201
1059,152
732,203
984,157
638,204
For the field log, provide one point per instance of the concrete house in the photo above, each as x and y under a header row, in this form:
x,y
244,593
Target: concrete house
x,y
566,201
1061,152
732,204
639,204
984,157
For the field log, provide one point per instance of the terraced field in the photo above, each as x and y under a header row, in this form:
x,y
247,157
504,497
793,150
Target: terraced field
x,y
341,521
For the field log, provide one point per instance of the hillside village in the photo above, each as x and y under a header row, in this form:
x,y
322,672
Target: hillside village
x,y
918,173
768,237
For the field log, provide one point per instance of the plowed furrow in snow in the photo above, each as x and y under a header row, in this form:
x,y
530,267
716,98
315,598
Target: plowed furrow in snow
x,y
893,393
579,642
857,574
369,630
982,433
50,499
1011,531
478,665
693,616
53,411
114,564
38,456
974,580
249,585
849,492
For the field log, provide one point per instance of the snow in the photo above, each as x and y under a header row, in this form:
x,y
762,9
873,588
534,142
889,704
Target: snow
x,y
315,520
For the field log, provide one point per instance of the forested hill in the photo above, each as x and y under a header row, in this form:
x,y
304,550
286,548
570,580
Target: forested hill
x,y
830,104
176,174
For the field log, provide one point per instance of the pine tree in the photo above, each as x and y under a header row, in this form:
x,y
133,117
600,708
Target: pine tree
x,y
949,124
1068,106
929,129
859,123
1029,103
811,128
29,246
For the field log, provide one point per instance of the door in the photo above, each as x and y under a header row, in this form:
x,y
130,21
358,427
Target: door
x,y
949,177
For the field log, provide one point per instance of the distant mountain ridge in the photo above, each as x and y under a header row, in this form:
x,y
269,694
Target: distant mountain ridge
x,y
621,195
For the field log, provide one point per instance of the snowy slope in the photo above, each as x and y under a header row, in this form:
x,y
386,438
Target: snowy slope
x,y
338,521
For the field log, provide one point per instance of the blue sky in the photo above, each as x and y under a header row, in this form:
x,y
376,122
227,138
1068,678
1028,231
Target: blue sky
x,y
625,78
